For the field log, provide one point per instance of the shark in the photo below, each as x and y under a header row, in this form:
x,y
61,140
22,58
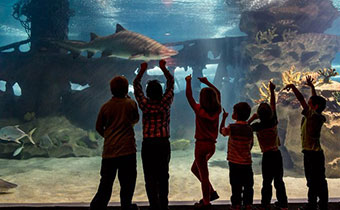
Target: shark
x,y
123,44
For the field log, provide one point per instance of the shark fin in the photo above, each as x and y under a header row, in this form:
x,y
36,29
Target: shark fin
x,y
106,53
90,54
134,56
119,28
93,36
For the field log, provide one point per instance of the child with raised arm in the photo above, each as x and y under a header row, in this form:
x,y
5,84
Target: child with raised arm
x,y
240,144
272,167
207,116
314,159
156,133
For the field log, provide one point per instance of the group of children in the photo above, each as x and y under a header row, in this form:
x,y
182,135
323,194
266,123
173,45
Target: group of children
x,y
117,117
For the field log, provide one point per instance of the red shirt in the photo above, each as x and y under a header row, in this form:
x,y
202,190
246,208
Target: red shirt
x,y
206,125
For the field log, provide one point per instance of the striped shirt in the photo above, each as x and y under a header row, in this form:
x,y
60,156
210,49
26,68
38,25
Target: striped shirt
x,y
156,114
240,143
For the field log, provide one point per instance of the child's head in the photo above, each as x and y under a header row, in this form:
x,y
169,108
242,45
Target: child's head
x,y
119,86
241,111
317,103
209,101
264,112
154,90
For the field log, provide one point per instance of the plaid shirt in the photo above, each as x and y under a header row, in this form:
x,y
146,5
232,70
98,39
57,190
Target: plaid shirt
x,y
156,114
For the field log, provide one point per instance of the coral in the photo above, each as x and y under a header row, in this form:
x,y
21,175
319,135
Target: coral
x,y
291,77
289,35
266,36
180,144
92,135
327,73
336,96
264,94
29,116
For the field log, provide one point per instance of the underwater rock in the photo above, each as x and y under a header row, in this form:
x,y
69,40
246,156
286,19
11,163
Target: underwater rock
x,y
313,17
45,142
180,144
56,137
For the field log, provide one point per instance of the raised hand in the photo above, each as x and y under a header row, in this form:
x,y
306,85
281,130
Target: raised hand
x,y
204,80
143,66
271,85
188,78
162,64
225,114
309,81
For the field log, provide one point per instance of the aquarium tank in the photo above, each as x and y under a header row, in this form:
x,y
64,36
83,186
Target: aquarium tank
x,y
51,89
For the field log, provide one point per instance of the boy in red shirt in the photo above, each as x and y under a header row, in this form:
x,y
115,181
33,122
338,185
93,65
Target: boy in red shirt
x,y
240,144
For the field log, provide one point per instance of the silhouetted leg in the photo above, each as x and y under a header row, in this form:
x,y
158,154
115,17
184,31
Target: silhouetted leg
x,y
127,173
322,182
248,191
164,158
108,173
267,175
279,185
312,186
150,163
235,182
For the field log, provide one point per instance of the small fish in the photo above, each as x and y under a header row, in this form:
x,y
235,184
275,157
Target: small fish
x,y
18,151
14,133
5,186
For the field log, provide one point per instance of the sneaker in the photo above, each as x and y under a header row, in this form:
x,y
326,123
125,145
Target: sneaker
x,y
280,206
202,206
131,207
235,207
213,196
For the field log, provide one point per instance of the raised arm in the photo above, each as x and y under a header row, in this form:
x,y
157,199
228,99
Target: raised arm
x,y
254,117
138,90
309,82
204,80
170,82
298,95
272,96
223,130
188,92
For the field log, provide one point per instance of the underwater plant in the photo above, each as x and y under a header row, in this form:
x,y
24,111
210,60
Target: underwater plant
x,y
336,96
291,77
264,94
266,36
327,73
288,34
29,116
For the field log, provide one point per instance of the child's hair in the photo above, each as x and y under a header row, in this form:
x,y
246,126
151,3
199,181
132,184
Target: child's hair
x,y
209,101
154,90
264,112
320,101
119,86
242,110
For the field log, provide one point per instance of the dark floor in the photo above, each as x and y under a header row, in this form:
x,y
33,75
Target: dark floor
x,y
334,205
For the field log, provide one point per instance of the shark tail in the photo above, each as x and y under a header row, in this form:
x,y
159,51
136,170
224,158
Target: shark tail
x,y
75,47
29,135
